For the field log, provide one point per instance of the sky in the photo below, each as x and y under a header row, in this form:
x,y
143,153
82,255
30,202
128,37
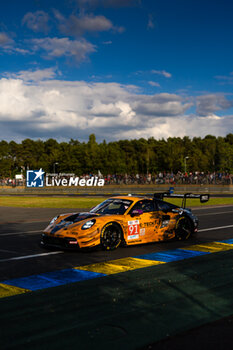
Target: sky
x,y
121,69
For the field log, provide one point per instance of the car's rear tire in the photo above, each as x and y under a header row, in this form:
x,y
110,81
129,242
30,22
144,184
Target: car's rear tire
x,y
184,228
111,236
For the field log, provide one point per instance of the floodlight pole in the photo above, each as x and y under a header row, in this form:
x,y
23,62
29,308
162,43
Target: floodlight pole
x,y
185,163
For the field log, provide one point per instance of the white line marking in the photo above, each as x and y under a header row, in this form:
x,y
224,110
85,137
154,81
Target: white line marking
x,y
18,233
59,252
24,222
221,212
7,251
30,256
215,228
212,207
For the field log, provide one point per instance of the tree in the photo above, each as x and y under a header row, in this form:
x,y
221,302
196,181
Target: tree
x,y
143,156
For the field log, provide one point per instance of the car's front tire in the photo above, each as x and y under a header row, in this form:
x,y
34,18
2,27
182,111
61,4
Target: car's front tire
x,y
111,236
184,228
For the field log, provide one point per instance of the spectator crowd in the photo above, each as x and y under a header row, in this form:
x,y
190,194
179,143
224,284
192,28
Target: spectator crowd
x,y
196,178
170,178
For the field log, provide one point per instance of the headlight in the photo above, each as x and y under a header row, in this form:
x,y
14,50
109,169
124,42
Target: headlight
x,y
54,219
88,224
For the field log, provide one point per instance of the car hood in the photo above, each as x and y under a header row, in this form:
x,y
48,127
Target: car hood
x,y
72,219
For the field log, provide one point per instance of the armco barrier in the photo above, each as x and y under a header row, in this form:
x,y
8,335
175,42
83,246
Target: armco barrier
x,y
114,189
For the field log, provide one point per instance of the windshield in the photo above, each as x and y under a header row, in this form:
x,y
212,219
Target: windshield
x,y
112,206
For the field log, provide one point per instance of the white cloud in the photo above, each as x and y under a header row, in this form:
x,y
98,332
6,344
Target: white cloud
x,y
150,24
78,25
58,47
153,83
5,39
65,109
181,126
37,21
208,104
160,105
9,46
34,75
109,42
20,51
161,72
225,79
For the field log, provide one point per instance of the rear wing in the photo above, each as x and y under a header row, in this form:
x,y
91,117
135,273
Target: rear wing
x,y
203,197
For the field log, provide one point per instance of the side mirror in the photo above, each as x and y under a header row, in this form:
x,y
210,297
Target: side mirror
x,y
137,212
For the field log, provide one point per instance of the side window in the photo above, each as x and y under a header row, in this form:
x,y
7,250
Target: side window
x,y
145,205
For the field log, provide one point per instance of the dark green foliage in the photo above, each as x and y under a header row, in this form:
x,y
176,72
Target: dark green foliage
x,y
125,156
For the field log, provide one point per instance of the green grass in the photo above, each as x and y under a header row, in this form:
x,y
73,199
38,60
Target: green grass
x,y
196,202
49,202
86,202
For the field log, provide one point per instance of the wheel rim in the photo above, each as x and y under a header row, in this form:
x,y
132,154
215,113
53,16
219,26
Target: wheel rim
x,y
111,237
184,229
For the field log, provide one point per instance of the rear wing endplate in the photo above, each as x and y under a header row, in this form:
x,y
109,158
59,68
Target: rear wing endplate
x,y
203,197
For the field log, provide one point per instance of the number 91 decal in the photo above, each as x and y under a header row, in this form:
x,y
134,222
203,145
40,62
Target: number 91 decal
x,y
133,229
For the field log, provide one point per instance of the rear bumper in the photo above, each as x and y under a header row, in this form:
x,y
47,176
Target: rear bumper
x,y
60,242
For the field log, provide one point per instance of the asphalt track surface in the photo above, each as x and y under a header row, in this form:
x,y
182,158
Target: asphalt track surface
x,y
21,256
21,228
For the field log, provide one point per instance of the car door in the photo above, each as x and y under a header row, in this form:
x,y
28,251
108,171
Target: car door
x,y
142,227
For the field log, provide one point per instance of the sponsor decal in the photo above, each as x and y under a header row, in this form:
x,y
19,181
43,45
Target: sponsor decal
x,y
133,229
147,224
37,178
133,237
142,231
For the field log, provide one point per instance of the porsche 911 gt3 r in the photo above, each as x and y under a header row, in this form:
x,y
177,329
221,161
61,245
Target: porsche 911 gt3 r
x,y
125,220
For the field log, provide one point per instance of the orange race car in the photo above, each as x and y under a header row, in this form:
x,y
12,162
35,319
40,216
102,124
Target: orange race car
x,y
125,220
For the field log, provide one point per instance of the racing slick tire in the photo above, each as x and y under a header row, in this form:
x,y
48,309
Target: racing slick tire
x,y
184,228
111,236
